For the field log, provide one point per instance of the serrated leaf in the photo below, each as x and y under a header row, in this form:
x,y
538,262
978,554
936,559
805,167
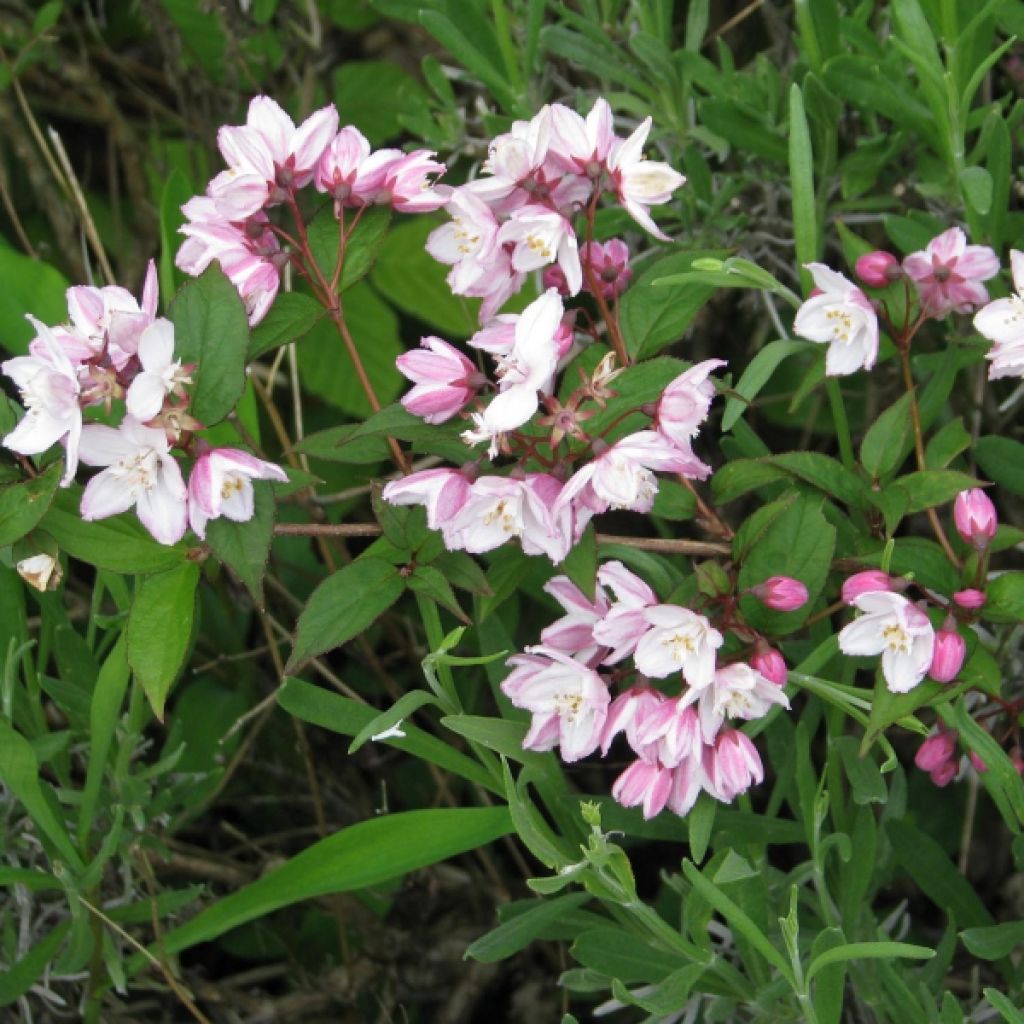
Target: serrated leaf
x,y
292,316
1002,460
888,440
364,241
430,582
159,630
211,329
343,606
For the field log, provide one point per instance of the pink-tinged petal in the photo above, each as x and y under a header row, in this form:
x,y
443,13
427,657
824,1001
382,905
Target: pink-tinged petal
x,y
1017,269
918,266
276,127
978,262
163,513
313,136
150,291
104,496
948,246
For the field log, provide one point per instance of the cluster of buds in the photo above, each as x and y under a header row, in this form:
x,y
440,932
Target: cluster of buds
x,y
948,276
115,348
269,160
547,500
519,216
681,742
938,756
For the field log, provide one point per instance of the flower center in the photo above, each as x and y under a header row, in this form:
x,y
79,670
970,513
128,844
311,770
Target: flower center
x,y
842,324
896,639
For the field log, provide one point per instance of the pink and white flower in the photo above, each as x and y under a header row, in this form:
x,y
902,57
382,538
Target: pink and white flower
x,y
674,730
622,476
948,273
731,766
341,162
644,783
161,374
1002,322
47,383
445,380
975,517
140,472
548,528
491,515
581,145
639,182
628,714
624,623
400,180
570,694
573,633
679,640
221,485
842,317
685,403
609,266
443,492
468,243
539,236
898,630
738,691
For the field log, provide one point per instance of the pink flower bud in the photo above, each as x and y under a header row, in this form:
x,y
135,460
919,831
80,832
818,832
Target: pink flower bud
x,y
770,663
936,750
979,765
866,582
878,269
944,774
554,277
782,593
948,654
975,517
970,599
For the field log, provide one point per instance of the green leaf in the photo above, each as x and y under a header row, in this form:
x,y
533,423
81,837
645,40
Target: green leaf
x,y
348,717
801,182
20,977
1006,597
701,821
831,477
292,316
119,544
867,951
160,628
976,184
176,191
29,286
343,606
995,942
104,714
497,734
580,565
866,782
245,547
1002,461
326,368
652,318
463,572
926,862
376,95
370,853
738,919
756,374
521,930
393,716
23,505
430,582
1006,1009
888,440
364,242
616,953
20,771
411,279
930,487
798,543
211,329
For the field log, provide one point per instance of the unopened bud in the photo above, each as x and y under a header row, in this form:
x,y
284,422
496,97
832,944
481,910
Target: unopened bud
x,y
782,593
770,663
866,582
878,269
936,750
948,654
970,599
975,517
944,774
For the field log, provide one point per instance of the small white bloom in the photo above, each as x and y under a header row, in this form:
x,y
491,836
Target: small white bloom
x,y
679,640
1002,322
160,375
40,571
841,317
898,630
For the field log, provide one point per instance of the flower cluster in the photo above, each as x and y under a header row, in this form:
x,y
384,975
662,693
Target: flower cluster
x,y
681,741
546,503
519,216
115,348
947,275
269,160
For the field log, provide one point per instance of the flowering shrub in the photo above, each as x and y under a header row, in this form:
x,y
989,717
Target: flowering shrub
x,y
613,572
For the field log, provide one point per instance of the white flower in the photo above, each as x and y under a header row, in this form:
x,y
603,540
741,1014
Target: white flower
x,y
541,236
491,515
841,317
898,630
50,391
161,373
679,640
738,691
1002,322
140,471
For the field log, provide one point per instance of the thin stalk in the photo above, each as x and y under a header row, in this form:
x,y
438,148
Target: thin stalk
x,y
842,423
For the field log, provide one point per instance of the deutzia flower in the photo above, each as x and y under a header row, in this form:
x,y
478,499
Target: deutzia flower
x,y
898,630
140,471
678,640
221,485
48,384
948,273
841,317
160,375
1002,322
738,691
